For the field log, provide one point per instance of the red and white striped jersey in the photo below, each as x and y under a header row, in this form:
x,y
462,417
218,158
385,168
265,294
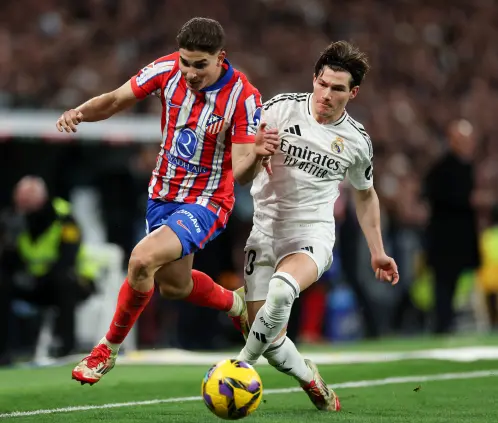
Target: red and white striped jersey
x,y
198,129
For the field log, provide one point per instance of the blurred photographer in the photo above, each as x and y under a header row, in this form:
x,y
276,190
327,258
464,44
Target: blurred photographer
x,y
452,235
42,261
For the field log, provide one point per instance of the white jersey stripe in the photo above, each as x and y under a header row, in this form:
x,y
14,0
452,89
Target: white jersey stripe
x,y
168,92
183,116
214,178
250,106
200,131
202,201
185,111
156,69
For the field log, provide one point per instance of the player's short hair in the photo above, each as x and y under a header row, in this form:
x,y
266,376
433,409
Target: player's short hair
x,y
344,56
201,34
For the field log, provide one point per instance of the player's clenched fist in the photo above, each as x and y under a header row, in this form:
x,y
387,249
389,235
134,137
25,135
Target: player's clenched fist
x,y
68,121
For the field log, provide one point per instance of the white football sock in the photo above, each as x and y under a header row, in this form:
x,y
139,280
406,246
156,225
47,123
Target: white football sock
x,y
113,347
284,356
272,318
237,307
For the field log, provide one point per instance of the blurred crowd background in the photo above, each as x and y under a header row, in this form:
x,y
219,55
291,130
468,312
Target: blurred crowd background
x,y
434,63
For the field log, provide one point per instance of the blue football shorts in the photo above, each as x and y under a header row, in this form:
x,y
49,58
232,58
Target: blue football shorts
x,y
195,225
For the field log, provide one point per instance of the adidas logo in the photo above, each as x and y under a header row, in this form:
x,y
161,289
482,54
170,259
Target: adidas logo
x,y
293,130
261,337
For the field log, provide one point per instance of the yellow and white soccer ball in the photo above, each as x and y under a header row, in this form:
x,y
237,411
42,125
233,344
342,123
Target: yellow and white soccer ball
x,y
232,389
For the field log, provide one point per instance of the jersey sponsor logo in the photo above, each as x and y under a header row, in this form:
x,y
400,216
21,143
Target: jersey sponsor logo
x,y
188,166
214,124
338,145
309,161
186,143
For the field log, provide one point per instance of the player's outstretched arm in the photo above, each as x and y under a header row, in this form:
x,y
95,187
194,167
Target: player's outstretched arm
x,y
247,158
368,213
98,108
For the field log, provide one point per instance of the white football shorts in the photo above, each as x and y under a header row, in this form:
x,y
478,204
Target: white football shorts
x,y
263,254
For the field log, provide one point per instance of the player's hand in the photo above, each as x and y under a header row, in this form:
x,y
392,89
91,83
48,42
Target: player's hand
x,y
68,121
385,269
267,165
266,142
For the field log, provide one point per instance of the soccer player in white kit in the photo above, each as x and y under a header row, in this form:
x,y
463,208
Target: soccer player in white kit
x,y
293,232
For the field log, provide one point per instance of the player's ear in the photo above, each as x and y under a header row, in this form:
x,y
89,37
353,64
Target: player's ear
x,y
221,57
354,92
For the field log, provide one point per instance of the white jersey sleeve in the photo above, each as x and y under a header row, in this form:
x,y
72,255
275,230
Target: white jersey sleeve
x,y
360,173
270,112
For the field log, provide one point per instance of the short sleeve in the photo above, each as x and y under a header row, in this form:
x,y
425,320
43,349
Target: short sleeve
x,y
269,115
360,174
152,77
247,117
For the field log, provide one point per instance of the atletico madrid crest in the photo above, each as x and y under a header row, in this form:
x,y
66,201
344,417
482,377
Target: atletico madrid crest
x,y
215,124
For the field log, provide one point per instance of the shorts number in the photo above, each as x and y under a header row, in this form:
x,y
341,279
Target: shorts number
x,y
251,256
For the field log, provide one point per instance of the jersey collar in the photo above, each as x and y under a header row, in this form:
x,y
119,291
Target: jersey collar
x,y
220,83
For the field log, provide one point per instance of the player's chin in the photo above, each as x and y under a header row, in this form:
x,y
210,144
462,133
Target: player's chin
x,y
197,86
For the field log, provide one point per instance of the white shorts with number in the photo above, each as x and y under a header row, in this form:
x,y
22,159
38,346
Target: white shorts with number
x,y
264,253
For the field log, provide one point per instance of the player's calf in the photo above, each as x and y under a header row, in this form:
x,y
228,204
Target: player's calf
x,y
207,293
284,356
103,357
272,318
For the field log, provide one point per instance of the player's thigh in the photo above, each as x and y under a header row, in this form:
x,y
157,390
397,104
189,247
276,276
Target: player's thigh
x,y
174,279
174,231
259,266
304,258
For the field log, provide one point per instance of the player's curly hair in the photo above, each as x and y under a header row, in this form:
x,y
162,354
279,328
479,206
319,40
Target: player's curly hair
x,y
201,34
342,55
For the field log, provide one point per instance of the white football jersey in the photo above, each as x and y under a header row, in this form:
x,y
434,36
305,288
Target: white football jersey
x,y
307,168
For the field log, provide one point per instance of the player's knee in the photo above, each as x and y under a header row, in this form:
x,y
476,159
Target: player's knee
x,y
141,265
283,290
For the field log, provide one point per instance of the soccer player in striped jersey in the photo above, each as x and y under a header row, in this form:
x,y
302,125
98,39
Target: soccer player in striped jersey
x,y
210,137
293,234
